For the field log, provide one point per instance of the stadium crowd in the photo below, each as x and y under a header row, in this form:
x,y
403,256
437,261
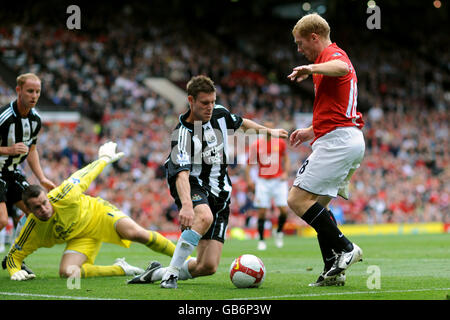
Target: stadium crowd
x,y
404,176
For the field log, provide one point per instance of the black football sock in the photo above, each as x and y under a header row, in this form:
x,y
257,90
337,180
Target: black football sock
x,y
281,222
332,217
328,255
261,223
319,218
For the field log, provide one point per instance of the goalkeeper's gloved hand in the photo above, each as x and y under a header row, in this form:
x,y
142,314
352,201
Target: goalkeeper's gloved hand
x,y
108,152
22,275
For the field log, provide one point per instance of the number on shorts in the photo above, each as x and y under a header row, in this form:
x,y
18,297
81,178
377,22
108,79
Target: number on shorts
x,y
302,169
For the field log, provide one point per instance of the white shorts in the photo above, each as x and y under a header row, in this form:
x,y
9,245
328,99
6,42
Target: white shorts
x,y
334,158
267,190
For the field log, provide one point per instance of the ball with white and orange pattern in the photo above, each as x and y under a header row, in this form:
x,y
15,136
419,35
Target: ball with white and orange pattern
x,y
247,271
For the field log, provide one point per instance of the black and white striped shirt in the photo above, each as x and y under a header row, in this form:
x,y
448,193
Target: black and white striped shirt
x,y
15,129
202,149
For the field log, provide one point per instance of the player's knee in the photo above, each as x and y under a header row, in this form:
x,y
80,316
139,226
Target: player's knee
x,y
262,214
283,211
297,205
71,271
292,203
207,269
206,219
128,229
63,273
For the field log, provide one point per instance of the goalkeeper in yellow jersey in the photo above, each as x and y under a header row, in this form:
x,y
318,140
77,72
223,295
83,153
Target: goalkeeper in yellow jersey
x,y
67,215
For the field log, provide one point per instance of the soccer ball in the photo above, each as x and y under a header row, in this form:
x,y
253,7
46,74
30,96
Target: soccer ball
x,y
247,271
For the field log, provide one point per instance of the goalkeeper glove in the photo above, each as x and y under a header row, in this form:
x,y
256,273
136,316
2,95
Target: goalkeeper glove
x,y
22,275
108,152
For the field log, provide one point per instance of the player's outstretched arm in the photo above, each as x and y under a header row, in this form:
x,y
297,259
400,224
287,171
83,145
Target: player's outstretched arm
x,y
300,73
186,214
332,68
24,245
252,125
83,178
34,163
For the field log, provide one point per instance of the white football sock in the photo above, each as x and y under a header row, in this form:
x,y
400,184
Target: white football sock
x,y
158,274
186,244
182,251
184,271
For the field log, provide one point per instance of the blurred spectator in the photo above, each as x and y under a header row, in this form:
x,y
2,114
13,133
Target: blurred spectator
x,y
74,154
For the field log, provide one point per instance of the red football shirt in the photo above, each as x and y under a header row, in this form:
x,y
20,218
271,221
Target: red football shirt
x,y
335,97
268,156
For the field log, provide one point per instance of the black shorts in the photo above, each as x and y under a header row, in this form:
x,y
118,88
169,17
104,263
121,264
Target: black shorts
x,y
219,208
12,185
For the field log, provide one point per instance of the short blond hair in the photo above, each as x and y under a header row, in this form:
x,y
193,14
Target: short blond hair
x,y
21,79
312,23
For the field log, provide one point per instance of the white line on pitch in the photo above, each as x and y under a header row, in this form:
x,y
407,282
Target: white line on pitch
x,y
340,293
51,296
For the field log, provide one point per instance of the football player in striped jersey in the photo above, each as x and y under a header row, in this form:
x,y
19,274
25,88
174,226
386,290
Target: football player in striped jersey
x,y
198,180
19,127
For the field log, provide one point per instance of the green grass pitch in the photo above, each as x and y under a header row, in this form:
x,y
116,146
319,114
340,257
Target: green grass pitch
x,y
410,267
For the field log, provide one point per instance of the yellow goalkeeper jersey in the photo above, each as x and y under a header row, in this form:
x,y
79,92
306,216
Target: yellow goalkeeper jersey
x,y
74,216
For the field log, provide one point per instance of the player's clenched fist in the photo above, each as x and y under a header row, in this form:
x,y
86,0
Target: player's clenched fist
x,y
22,275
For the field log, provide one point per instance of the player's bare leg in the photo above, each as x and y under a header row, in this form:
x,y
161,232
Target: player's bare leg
x,y
208,258
3,215
70,265
22,207
23,218
128,229
300,200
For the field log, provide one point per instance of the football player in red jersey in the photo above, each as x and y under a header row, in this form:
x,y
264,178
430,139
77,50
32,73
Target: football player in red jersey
x,y
271,157
337,143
